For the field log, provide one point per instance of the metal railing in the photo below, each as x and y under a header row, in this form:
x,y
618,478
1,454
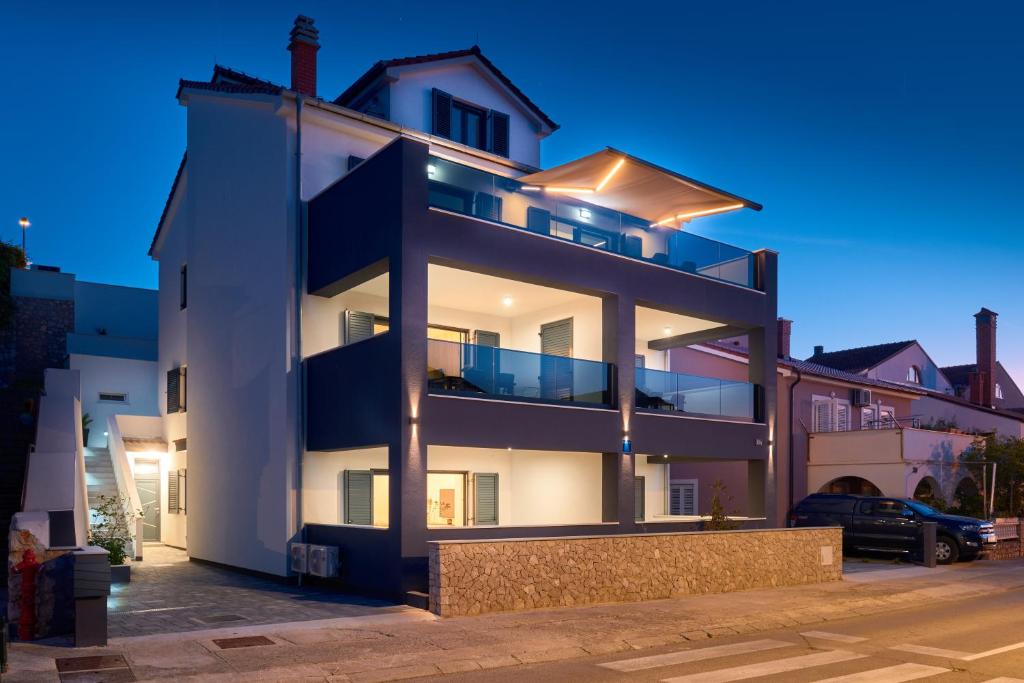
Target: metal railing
x,y
674,391
466,190
472,369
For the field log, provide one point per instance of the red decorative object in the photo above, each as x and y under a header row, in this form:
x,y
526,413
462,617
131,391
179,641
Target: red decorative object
x,y
28,568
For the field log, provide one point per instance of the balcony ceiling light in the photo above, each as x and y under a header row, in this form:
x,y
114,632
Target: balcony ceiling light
x,y
667,330
569,190
507,301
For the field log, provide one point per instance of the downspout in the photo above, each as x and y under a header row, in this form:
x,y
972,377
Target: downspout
x,y
792,441
300,396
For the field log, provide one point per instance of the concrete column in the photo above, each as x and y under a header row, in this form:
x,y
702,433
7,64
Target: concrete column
x,y
618,345
763,342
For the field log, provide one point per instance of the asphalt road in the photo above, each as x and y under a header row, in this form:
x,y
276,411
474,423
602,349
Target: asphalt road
x,y
970,640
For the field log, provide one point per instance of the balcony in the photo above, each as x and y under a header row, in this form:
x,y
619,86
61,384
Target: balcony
x,y
692,394
472,192
475,370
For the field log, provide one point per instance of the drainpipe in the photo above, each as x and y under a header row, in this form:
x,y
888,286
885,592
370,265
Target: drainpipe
x,y
792,441
300,242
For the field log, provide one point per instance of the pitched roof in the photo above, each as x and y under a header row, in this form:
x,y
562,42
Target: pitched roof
x,y
167,204
807,367
346,98
861,358
960,375
229,80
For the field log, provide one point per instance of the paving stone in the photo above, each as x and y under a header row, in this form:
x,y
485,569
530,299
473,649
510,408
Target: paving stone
x,y
459,666
397,674
497,661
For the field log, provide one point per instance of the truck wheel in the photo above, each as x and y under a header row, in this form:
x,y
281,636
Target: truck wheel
x,y
946,550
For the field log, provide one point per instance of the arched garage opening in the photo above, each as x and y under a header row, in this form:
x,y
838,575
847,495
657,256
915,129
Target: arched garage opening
x,y
967,498
928,491
853,485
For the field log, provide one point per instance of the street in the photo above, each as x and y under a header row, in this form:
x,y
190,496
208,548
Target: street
x,y
977,639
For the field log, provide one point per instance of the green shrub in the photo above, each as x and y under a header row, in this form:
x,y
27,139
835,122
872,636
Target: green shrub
x,y
113,530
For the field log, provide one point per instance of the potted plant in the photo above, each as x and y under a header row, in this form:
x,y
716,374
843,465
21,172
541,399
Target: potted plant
x,y
112,532
86,421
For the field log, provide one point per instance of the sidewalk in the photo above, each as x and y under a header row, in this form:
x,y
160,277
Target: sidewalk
x,y
410,643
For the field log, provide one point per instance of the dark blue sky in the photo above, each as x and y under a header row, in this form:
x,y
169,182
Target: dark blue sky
x,y
885,139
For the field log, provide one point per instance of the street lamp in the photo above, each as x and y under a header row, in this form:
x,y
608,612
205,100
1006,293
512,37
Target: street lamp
x,y
24,223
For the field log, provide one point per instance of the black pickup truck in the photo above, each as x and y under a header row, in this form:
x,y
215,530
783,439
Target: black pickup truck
x,y
893,525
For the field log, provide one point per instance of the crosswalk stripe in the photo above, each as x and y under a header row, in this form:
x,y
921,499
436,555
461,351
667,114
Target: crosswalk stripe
x,y
932,651
694,655
890,674
778,666
838,637
997,651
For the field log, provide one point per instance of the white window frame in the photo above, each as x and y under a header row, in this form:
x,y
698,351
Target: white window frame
x,y
999,390
914,374
835,404
696,495
886,415
872,419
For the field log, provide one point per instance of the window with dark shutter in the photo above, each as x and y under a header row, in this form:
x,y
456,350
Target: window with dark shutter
x,y
484,338
498,125
357,326
442,113
487,206
683,498
172,492
358,497
183,287
183,389
556,338
486,499
639,490
174,390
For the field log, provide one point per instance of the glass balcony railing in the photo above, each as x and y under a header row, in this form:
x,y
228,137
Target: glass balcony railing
x,y
473,192
455,367
672,391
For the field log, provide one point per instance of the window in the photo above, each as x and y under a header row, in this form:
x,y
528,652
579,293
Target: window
x,y
177,491
683,497
176,390
830,414
113,397
183,287
999,390
914,374
365,497
887,418
485,499
446,499
471,125
868,418
640,360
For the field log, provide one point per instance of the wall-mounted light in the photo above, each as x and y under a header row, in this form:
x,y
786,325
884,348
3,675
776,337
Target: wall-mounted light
x,y
584,213
507,301
627,445
665,456
105,434
414,421
431,169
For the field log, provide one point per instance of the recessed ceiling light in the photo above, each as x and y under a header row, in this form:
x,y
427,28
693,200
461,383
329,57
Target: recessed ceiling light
x,y
431,169
507,301
667,330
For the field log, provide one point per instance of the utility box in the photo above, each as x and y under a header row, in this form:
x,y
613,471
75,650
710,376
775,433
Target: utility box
x,y
91,588
299,558
323,560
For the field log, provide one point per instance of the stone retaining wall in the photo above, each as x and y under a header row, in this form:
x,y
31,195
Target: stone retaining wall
x,y
474,577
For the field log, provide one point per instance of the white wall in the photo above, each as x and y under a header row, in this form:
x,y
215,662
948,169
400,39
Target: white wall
x,y
242,403
655,485
137,378
967,417
586,327
411,102
895,369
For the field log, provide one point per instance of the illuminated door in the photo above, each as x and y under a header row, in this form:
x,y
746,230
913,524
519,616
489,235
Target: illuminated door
x,y
148,487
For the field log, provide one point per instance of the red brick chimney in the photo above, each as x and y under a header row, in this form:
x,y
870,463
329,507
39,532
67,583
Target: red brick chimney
x,y
303,46
983,381
784,333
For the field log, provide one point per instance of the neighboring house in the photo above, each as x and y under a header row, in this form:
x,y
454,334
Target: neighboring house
x,y
106,332
415,333
978,398
837,432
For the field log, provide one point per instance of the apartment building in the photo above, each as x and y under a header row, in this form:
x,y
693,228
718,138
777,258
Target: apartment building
x,y
383,323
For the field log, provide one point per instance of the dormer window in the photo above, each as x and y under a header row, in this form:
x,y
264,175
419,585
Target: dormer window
x,y
914,374
469,124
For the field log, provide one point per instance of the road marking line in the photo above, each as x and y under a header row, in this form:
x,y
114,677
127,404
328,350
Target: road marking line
x,y
694,655
778,666
1005,679
932,651
997,651
890,674
825,635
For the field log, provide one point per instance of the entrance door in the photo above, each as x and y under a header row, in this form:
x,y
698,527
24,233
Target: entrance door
x,y
149,497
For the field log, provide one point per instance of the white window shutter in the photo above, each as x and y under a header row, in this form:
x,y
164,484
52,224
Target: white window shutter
x,y
842,423
822,417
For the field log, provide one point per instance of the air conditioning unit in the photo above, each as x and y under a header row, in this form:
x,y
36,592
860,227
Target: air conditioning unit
x,y
323,560
299,558
861,397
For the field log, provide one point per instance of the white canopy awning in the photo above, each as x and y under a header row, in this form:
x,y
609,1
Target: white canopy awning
x,y
624,183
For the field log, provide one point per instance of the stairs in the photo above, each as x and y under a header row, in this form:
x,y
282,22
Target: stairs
x,y
99,475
